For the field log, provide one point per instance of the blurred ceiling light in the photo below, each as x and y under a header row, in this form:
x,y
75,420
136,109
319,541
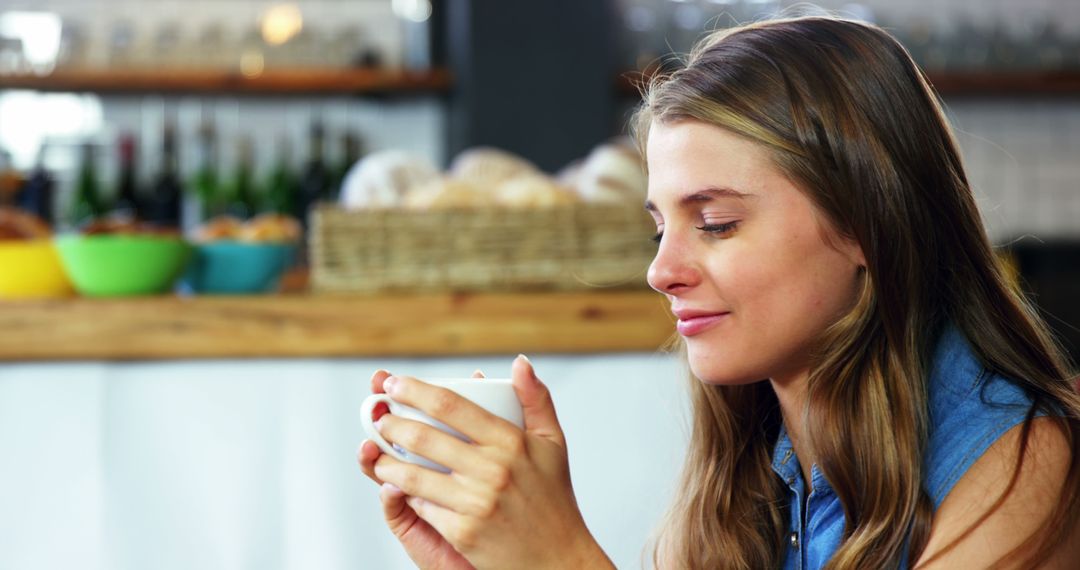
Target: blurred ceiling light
x,y
414,10
281,22
39,33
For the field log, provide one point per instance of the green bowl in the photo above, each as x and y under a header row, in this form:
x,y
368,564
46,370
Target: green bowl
x,y
122,265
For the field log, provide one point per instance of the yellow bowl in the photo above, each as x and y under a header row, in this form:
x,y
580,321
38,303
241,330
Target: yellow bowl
x,y
31,269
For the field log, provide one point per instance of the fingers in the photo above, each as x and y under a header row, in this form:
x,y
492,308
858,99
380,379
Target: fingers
x,y
416,481
399,516
366,456
451,525
377,381
478,374
442,448
536,405
474,422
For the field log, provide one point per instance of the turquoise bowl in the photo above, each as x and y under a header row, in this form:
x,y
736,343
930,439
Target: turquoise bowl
x,y
235,268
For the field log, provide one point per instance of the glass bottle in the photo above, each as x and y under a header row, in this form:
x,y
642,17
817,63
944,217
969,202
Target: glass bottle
x,y
242,192
315,180
165,202
128,201
204,183
87,204
38,191
281,186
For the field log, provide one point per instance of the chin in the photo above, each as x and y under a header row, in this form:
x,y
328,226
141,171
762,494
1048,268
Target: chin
x,y
710,373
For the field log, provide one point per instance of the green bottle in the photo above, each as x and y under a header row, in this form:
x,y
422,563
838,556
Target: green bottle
x,y
242,199
88,204
281,186
204,183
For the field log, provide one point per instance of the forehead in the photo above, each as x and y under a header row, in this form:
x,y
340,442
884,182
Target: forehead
x,y
684,156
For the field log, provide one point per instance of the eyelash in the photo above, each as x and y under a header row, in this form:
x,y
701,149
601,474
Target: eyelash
x,y
708,228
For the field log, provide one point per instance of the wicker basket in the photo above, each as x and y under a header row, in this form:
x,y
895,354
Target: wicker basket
x,y
582,246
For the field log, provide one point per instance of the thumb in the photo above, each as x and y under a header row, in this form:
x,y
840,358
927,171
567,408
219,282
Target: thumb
x,y
536,404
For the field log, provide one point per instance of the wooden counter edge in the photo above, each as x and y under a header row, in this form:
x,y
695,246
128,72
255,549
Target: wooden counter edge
x,y
298,326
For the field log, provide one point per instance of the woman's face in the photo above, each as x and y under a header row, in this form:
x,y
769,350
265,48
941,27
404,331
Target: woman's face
x,y
742,256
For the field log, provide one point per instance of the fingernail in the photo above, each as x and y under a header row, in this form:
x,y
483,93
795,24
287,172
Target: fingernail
x,y
391,487
525,358
378,425
390,385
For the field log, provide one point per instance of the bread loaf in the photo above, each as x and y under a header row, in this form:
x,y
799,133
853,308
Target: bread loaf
x,y
383,179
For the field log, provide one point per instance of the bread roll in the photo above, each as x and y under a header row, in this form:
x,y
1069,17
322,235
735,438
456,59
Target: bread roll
x,y
219,228
490,167
570,174
612,173
383,179
533,191
449,193
270,228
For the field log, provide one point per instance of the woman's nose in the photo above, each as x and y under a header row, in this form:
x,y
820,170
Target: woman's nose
x,y
673,268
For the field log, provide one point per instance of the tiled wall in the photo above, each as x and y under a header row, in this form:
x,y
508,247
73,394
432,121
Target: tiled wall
x,y
1023,161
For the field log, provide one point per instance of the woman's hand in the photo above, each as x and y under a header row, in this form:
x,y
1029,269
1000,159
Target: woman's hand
x,y
424,545
508,501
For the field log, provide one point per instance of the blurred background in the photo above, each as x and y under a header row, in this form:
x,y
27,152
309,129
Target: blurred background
x,y
219,217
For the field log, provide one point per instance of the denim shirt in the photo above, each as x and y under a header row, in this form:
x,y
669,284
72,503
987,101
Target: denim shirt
x,y
970,408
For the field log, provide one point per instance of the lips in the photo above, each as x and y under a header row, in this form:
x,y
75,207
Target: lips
x,y
695,322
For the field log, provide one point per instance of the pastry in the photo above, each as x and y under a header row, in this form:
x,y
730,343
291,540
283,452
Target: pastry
x,y
19,225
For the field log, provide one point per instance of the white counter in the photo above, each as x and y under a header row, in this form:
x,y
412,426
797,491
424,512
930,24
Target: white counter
x,y
251,464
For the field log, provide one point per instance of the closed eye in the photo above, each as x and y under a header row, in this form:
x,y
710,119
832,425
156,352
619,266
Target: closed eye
x,y
718,228
715,229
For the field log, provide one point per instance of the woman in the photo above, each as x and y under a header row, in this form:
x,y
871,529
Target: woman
x,y
869,392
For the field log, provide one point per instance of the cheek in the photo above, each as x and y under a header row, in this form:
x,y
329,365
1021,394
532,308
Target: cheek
x,y
792,286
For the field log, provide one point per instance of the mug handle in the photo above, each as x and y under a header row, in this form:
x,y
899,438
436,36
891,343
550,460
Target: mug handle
x,y
366,410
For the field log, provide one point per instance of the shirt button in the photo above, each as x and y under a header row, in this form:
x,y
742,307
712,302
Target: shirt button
x,y
795,540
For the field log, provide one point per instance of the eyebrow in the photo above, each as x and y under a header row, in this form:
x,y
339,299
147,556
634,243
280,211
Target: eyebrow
x,y
703,195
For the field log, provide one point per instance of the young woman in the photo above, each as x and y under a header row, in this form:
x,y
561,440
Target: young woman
x,y
868,391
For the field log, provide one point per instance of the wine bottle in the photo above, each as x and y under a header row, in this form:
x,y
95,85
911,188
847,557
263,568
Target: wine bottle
x,y
87,204
128,201
165,201
350,153
204,184
281,186
37,193
242,192
315,181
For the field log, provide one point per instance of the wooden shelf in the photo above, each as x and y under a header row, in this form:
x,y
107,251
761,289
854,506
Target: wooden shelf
x,y
271,82
332,326
1034,83
957,84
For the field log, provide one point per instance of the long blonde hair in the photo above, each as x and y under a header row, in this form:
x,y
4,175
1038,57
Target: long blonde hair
x,y
846,114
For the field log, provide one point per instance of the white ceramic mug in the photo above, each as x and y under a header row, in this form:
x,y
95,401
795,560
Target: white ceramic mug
x,y
495,395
